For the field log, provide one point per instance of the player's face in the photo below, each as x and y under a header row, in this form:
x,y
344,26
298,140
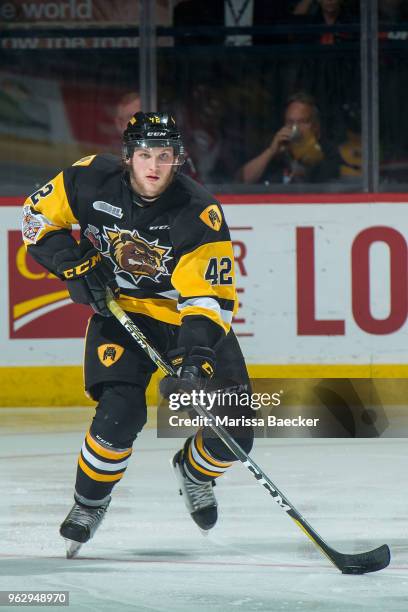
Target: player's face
x,y
151,170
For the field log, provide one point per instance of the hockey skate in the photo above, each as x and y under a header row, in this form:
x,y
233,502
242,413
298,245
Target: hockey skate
x,y
80,525
199,498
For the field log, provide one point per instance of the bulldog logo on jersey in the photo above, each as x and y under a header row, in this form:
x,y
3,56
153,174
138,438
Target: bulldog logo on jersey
x,y
135,255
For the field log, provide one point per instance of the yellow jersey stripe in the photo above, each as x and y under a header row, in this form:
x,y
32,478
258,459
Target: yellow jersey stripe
x,y
205,312
161,309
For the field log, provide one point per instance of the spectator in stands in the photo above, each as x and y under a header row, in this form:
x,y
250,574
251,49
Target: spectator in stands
x,y
295,153
393,118
207,138
392,11
231,13
350,150
128,105
325,12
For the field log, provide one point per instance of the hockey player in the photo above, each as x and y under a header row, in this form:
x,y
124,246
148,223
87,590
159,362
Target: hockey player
x,y
160,242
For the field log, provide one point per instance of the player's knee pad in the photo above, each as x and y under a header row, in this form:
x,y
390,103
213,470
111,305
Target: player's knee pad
x,y
121,414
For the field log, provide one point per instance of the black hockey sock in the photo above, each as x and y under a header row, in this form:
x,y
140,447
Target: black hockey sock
x,y
199,464
100,467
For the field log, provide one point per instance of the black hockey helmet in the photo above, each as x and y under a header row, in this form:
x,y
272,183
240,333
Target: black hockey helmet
x,y
146,130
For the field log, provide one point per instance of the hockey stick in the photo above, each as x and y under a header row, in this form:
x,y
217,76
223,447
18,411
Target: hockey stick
x,y
360,563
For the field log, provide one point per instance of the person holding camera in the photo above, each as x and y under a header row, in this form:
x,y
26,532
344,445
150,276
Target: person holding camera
x,y
295,154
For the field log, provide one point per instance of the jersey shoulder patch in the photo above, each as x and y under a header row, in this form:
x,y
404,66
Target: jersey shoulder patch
x,y
212,217
85,161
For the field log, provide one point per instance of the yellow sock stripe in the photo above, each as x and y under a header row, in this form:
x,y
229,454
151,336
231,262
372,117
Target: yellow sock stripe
x,y
200,447
204,464
198,467
104,452
95,475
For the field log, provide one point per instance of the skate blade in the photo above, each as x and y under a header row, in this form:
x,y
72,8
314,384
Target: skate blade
x,y
72,548
204,532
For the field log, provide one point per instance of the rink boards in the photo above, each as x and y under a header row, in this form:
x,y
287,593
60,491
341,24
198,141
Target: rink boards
x,y
322,284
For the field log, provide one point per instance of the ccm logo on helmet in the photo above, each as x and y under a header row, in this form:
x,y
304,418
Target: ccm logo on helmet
x,y
156,133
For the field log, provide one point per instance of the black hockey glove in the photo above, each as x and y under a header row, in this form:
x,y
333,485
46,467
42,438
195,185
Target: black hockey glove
x,y
87,276
194,370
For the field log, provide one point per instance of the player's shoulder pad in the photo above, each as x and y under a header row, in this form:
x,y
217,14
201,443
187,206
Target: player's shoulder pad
x,y
91,169
203,207
102,162
85,161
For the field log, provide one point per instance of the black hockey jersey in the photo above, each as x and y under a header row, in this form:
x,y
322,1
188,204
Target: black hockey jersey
x,y
172,258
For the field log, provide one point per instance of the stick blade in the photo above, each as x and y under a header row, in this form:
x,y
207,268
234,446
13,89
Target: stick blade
x,y
362,563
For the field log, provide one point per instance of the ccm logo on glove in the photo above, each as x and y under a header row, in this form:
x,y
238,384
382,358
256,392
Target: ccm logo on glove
x,y
83,268
87,275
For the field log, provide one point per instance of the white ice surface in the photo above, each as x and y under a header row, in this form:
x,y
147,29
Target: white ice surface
x,y
149,556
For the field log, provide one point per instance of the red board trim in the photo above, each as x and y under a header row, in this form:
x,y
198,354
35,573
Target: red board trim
x,y
271,199
313,198
12,201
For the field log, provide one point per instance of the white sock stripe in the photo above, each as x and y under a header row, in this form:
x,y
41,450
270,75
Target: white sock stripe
x,y
203,462
102,465
189,474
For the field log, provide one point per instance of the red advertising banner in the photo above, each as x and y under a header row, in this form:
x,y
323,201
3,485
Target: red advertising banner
x,y
39,304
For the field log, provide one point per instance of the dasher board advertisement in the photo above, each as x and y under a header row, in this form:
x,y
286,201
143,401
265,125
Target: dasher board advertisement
x,y
320,281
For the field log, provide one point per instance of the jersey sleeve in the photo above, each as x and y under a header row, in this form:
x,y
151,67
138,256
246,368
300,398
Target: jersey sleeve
x,y
47,210
204,275
48,216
